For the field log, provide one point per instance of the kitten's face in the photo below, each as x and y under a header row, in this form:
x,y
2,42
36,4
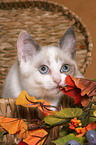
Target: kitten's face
x,y
45,71
46,68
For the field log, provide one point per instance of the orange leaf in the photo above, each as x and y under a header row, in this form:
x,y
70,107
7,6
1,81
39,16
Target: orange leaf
x,y
80,89
90,126
13,125
25,100
23,131
36,137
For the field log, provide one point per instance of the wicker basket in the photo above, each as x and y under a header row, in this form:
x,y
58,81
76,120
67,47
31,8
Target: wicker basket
x,y
46,22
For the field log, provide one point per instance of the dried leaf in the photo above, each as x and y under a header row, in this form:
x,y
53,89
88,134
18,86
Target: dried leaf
x,y
72,90
14,125
90,126
87,87
80,89
36,137
25,100
18,126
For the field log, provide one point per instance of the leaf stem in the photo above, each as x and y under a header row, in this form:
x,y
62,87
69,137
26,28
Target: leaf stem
x,y
31,127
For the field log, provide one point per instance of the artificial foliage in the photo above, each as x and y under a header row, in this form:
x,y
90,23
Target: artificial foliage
x,y
74,122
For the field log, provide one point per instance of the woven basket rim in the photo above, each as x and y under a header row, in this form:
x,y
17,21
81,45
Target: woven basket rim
x,y
89,44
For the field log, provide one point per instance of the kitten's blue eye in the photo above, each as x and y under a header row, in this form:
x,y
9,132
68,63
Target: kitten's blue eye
x,y
65,68
43,69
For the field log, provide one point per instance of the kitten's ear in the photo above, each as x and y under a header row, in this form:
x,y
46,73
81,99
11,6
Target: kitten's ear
x,y
26,46
68,42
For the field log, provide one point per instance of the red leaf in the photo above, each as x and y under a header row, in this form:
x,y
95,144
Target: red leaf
x,y
80,89
72,90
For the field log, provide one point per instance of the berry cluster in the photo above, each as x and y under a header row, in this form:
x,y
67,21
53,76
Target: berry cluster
x,y
76,125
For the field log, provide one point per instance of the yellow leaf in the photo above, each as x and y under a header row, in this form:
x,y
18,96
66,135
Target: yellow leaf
x,y
25,100
94,113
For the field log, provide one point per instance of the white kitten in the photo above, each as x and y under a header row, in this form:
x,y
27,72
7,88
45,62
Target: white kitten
x,y
40,70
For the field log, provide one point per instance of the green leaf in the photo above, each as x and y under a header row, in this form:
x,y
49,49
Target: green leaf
x,y
1,136
54,121
69,113
64,140
63,116
91,119
64,131
88,119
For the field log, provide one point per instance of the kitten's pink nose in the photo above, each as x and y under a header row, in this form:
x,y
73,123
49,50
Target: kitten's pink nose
x,y
57,81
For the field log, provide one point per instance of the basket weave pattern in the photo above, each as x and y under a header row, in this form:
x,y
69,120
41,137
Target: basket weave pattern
x,y
46,22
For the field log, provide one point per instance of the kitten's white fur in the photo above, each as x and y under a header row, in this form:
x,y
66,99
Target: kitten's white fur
x,y
25,74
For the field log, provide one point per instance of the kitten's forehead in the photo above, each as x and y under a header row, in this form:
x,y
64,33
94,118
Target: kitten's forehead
x,y
51,55
55,54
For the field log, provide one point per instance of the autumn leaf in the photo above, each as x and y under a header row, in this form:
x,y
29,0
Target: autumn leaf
x,y
25,100
14,125
36,137
80,89
18,126
90,126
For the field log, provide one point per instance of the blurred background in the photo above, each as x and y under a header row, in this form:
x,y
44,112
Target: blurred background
x,y
86,10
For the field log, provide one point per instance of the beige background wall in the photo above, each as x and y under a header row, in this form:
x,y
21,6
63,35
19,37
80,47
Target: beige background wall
x,y
86,10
